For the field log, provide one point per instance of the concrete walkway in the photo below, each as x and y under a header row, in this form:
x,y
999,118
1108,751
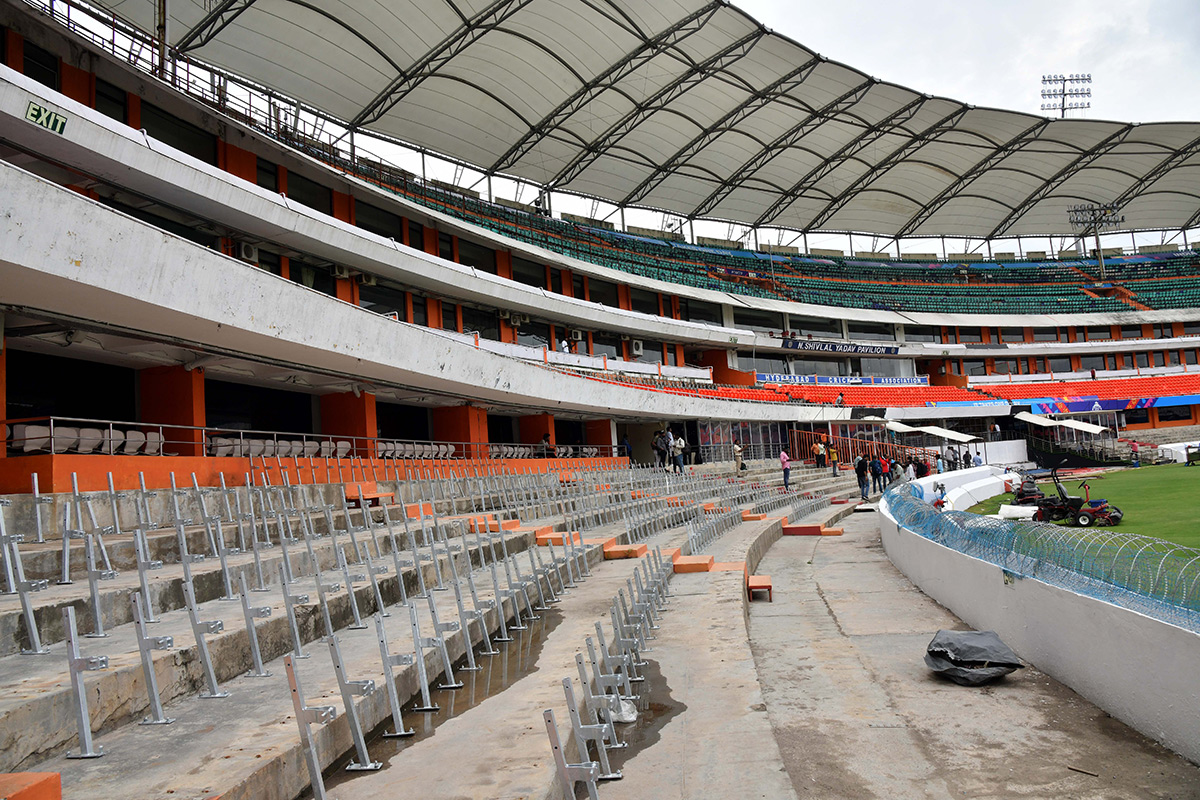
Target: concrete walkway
x,y
857,714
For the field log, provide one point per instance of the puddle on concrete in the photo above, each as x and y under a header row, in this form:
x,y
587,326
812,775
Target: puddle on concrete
x,y
655,708
516,659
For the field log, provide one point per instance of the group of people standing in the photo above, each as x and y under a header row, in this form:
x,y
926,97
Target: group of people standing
x,y
875,473
953,460
669,448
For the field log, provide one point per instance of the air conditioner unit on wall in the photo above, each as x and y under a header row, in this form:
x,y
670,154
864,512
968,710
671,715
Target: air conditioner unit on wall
x,y
367,280
625,337
340,271
577,336
505,313
248,252
635,347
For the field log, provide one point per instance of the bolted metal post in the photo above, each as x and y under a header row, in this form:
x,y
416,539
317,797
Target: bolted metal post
x,y
78,666
146,646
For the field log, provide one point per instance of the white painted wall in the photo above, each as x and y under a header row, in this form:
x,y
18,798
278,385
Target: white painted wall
x,y
63,253
1138,669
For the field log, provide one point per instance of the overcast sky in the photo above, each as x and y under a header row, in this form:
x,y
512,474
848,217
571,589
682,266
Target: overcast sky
x,y
1144,55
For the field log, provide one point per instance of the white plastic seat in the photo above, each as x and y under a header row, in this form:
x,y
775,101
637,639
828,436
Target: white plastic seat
x,y
450,451
112,440
410,450
32,438
283,448
342,449
257,447
268,448
326,449
89,439
134,442
385,449
154,441
297,448
494,450
222,446
439,451
311,448
63,439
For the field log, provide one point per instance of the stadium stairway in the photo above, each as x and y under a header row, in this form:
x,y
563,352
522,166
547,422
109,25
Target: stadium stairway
x,y
247,745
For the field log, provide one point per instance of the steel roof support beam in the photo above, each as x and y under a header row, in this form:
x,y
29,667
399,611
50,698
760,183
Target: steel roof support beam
x,y
212,24
606,80
427,65
1175,159
660,100
778,88
781,143
1014,144
1085,159
893,121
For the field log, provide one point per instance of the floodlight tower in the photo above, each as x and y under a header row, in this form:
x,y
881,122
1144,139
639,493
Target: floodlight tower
x,y
1064,98
1091,218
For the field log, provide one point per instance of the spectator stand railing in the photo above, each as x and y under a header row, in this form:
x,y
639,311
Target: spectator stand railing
x,y
1141,573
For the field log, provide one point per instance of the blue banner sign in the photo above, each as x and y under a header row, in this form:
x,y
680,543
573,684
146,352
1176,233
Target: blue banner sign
x,y
840,347
835,380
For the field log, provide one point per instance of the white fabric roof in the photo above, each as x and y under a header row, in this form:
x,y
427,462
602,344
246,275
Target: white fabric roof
x,y
689,106
1047,422
946,433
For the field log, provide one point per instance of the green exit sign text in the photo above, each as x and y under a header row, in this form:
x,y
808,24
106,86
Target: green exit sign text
x,y
50,120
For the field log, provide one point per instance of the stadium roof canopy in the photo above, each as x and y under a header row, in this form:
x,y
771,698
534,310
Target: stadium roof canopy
x,y
689,106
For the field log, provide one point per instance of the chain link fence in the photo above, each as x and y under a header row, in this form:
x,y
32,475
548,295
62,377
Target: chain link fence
x,y
1147,575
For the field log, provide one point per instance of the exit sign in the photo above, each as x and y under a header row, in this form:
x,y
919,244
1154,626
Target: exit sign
x,y
50,120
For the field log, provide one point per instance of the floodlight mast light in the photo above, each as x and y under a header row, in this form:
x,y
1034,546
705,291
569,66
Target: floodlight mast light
x,y
1091,218
1064,98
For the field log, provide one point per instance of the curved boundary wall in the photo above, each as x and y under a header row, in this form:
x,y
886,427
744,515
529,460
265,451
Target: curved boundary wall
x,y
1139,669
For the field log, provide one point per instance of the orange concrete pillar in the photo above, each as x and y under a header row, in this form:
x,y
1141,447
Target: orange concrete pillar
x,y
623,299
465,427
240,162
508,334
133,110
14,50
175,396
77,84
343,209
722,372
535,426
351,416
433,312
3,384
600,433
430,245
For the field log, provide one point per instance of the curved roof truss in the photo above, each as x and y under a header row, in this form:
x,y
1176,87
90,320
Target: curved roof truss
x,y
689,107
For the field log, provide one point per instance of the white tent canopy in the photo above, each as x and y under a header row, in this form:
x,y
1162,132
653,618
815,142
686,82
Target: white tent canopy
x,y
689,106
934,430
1047,422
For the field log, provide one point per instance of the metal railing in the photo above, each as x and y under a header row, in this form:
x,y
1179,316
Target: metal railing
x,y
81,436
1147,575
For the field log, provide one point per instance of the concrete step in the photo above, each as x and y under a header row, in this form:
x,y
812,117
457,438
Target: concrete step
x,y
36,711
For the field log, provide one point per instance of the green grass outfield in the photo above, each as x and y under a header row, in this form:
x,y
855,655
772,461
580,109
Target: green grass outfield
x,y
1162,501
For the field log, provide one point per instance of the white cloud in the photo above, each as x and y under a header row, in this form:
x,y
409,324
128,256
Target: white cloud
x,y
1144,55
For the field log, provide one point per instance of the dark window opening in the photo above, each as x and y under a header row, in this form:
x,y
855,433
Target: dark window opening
x,y
175,132
41,65
1174,413
416,235
643,301
270,262
163,223
312,276
44,385
112,101
384,298
242,407
310,193
699,311
266,175
378,221
446,246
603,292
556,280
449,316
757,319
921,333
529,273
420,310
477,256
398,421
484,322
